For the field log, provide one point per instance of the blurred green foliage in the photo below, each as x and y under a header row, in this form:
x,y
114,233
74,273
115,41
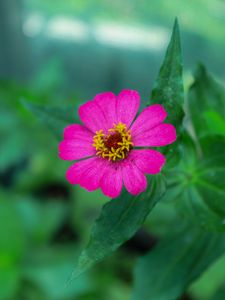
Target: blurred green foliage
x,y
140,11
174,263
44,223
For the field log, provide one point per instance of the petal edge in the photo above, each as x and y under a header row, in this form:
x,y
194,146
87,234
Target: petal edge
x,y
161,135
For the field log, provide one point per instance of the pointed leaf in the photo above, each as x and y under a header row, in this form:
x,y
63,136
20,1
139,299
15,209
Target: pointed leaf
x,y
168,89
119,220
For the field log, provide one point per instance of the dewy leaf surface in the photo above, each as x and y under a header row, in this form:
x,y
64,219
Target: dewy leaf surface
x,y
166,272
122,217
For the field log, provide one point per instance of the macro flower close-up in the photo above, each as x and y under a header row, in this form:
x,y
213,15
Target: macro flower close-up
x,y
112,147
112,162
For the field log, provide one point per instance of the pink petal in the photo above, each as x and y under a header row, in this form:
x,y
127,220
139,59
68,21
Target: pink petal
x,y
128,103
147,160
161,135
149,118
134,180
78,132
87,173
112,182
77,144
92,116
107,103
75,149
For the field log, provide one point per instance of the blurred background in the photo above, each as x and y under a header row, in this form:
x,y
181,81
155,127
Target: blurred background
x,y
61,53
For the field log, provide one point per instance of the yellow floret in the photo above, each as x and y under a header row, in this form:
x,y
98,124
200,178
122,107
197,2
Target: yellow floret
x,y
122,147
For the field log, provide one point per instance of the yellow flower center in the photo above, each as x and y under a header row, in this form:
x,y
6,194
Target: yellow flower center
x,y
115,145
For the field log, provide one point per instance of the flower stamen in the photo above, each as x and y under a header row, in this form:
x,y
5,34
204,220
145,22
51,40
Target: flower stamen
x,y
115,145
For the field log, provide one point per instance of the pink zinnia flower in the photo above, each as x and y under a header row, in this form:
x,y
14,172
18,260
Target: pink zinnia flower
x,y
106,144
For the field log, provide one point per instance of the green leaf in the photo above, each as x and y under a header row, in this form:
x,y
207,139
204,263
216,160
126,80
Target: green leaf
x,y
220,294
168,89
206,102
205,287
56,118
119,220
197,184
167,271
215,124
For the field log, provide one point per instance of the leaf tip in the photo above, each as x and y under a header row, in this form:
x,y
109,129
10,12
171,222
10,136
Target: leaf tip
x,y
176,28
176,23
